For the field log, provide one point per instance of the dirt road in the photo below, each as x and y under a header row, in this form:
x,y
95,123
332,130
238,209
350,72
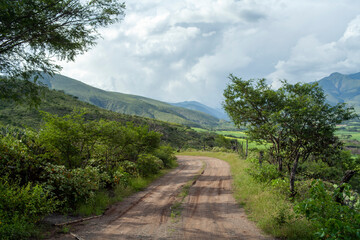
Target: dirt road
x,y
209,211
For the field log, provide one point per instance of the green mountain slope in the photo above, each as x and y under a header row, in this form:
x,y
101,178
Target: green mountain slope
x,y
342,88
59,103
129,104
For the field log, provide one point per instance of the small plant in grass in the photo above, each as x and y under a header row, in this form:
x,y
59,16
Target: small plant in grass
x,y
65,229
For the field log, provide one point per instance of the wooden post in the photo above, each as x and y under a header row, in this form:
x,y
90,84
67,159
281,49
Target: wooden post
x,y
261,156
247,147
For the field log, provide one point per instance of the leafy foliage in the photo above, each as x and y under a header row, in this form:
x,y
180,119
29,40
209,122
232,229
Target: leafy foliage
x,y
148,164
21,207
72,186
332,219
294,119
33,31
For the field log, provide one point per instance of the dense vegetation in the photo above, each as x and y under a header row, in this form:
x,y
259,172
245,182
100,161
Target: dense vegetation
x,y
67,162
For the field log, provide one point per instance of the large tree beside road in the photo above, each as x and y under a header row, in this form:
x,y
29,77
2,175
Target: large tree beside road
x,y
294,120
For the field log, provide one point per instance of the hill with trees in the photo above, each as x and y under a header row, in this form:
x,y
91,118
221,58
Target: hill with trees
x,y
59,103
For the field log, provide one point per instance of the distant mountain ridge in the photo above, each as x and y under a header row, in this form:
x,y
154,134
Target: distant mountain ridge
x,y
130,104
341,88
193,105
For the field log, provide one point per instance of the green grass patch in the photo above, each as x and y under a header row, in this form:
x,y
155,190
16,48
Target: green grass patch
x,y
271,211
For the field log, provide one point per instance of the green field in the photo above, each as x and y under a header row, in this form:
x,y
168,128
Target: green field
x,y
349,133
239,135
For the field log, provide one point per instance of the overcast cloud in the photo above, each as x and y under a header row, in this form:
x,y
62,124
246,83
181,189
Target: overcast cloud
x,y
184,50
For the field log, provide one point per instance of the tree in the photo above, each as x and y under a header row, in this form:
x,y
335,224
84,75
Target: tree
x,y
34,32
295,119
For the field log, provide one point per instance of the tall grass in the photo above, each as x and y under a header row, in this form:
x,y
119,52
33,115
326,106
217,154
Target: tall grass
x,y
270,209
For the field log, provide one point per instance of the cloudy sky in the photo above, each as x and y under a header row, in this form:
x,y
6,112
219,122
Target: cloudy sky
x,y
183,50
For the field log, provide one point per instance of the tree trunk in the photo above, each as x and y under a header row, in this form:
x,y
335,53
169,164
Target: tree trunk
x,y
345,179
280,164
292,177
261,156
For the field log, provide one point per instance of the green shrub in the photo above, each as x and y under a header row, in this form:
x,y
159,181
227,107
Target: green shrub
x,y
17,161
148,164
120,176
319,170
129,167
263,173
167,156
21,208
332,219
72,186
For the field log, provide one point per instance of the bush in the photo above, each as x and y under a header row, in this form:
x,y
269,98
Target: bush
x,y
332,219
148,164
263,173
167,156
120,176
21,208
130,167
17,162
72,186
319,170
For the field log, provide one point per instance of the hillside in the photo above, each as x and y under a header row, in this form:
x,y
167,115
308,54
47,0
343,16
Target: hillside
x,y
59,103
342,88
130,104
193,105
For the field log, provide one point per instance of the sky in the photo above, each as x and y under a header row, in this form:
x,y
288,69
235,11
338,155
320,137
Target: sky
x,y
177,51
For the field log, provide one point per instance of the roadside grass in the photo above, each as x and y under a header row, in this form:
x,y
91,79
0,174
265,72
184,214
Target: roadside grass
x,y
270,209
103,198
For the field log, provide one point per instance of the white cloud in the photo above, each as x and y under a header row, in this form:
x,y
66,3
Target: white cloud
x,y
184,50
311,59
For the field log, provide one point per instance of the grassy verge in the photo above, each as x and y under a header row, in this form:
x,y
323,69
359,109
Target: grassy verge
x,y
271,211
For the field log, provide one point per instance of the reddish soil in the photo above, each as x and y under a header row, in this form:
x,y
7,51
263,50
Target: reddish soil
x,y
209,211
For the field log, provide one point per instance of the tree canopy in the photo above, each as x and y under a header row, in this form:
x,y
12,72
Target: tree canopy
x,y
33,32
295,119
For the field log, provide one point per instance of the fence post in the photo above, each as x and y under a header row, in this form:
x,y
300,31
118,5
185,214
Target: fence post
x,y
247,147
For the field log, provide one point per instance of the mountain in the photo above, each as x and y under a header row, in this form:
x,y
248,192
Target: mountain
x,y
193,105
129,104
342,88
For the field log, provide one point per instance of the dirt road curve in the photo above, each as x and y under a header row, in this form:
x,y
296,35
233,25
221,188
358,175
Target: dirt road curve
x,y
208,212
